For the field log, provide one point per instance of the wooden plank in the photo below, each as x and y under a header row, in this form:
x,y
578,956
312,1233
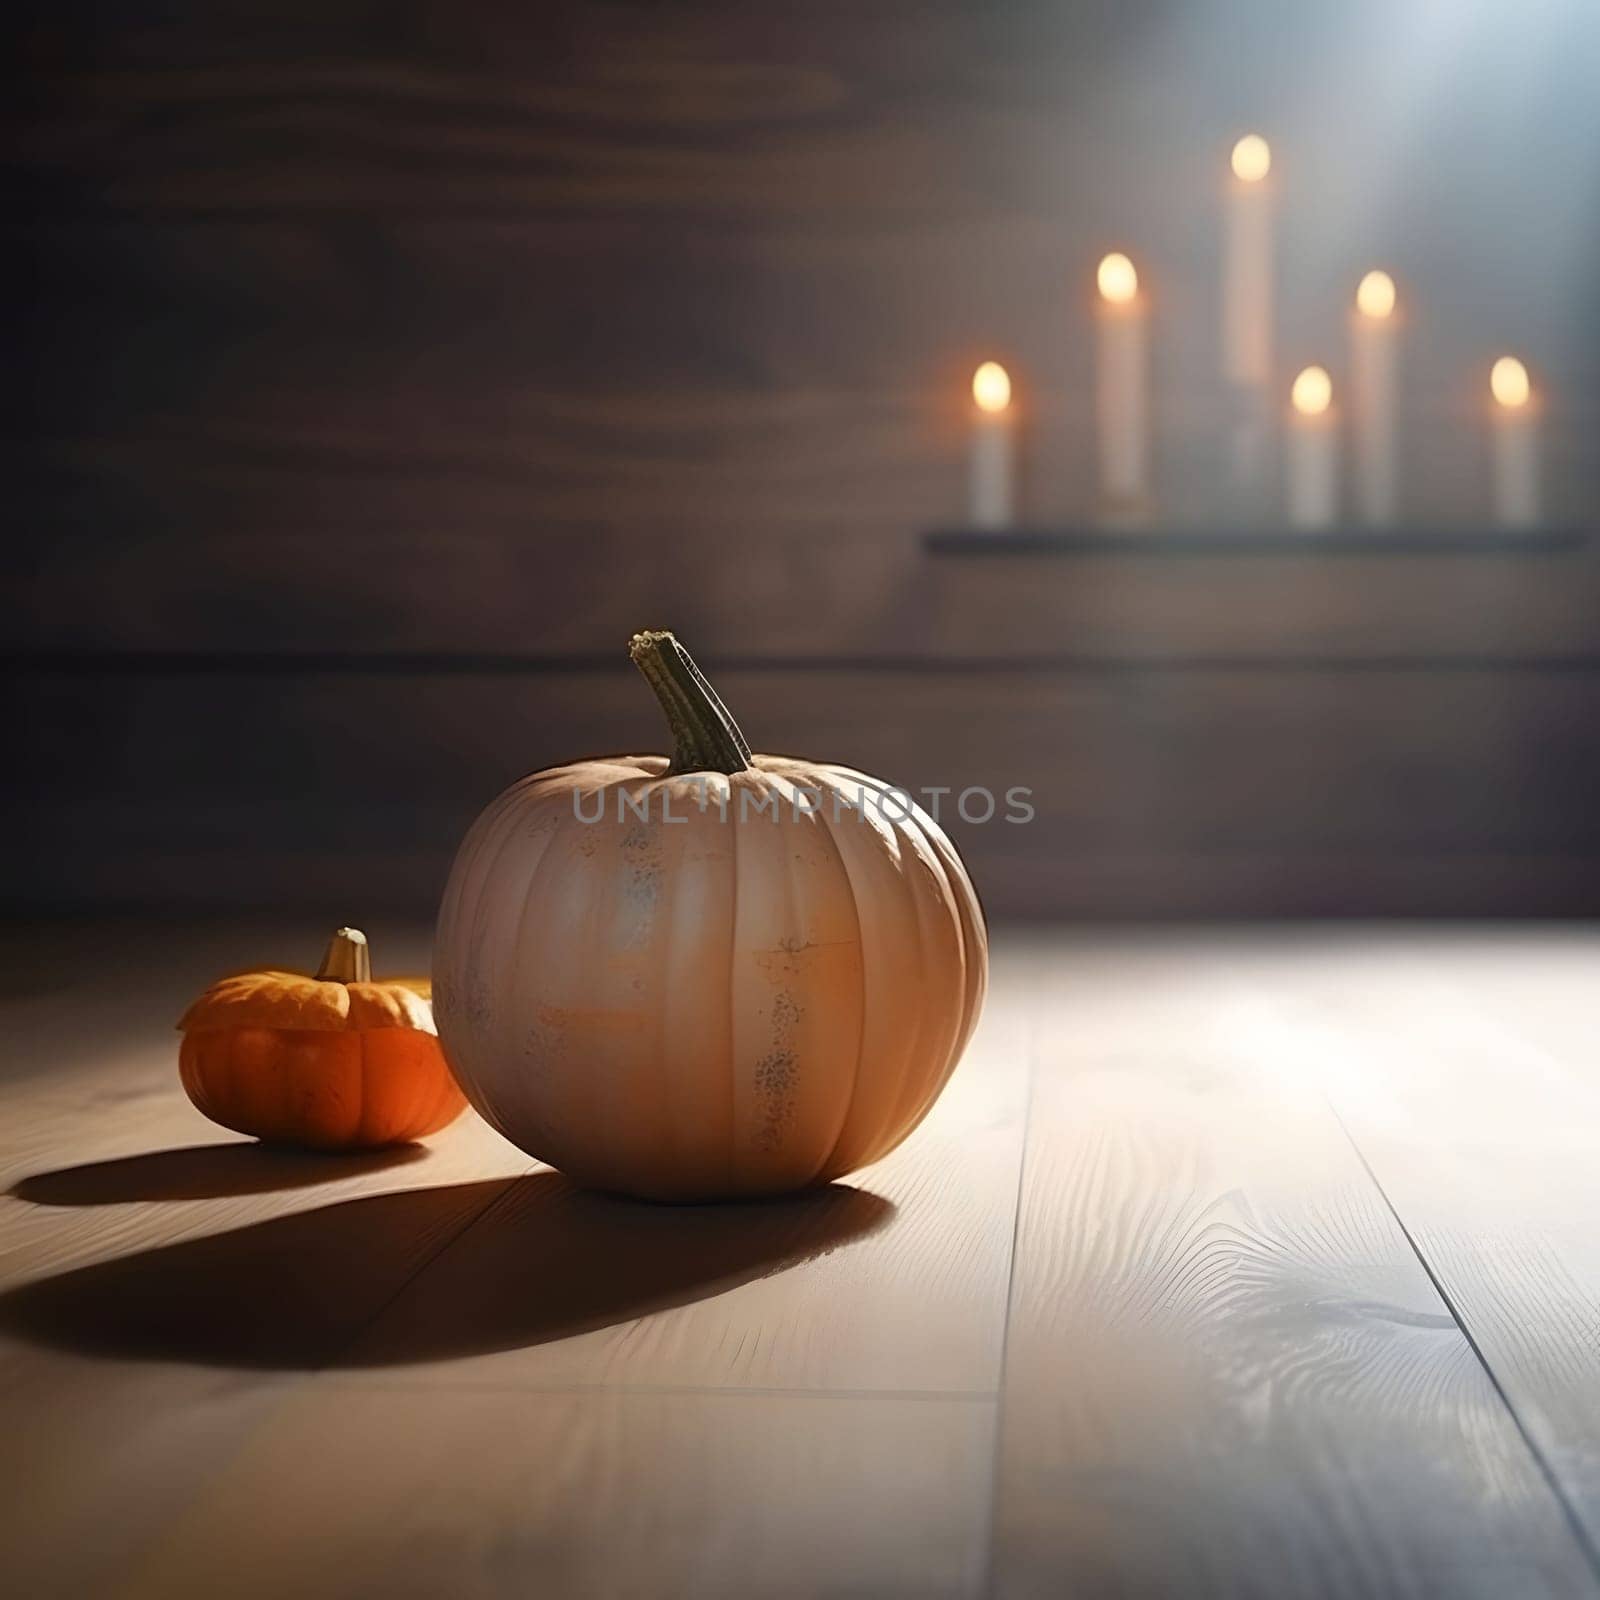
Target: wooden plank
x,y
516,374
484,413
474,415
288,1281
533,571
194,1274
1143,781
106,1158
892,1281
507,1494
133,1442
425,139
118,1249
401,307
1034,542
539,323
1227,1372
1073,881
161,1303
709,111
1465,1072
1220,759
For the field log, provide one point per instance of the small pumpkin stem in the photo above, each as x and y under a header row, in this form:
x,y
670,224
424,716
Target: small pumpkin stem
x,y
347,958
706,737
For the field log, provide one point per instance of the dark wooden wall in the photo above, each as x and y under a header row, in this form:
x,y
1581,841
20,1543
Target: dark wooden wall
x,y
386,366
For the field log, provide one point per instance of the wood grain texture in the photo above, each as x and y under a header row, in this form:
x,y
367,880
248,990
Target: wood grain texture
x,y
106,1165
96,1458
420,332
610,274
202,1278
123,1282
908,109
521,380
1155,792
892,1281
613,127
1227,1372
895,1281
537,581
1470,1086
604,1495
518,436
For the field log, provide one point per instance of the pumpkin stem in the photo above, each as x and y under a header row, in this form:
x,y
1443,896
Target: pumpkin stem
x,y
707,738
347,959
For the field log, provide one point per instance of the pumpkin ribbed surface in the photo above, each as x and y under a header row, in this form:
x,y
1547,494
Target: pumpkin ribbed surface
x,y
335,1061
727,983
293,1000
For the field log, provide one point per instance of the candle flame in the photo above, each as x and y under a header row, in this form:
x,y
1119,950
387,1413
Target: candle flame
x,y
1118,280
1375,295
1252,158
1508,382
991,387
1313,392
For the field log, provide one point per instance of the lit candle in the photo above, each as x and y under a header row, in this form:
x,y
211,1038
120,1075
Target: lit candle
x,y
1247,268
1121,410
993,468
1372,385
1515,428
1313,451
1247,324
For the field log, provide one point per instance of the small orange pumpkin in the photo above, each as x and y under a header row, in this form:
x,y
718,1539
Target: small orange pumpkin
x,y
332,1062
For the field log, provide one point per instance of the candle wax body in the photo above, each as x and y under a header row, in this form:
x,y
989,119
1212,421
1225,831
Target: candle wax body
x,y
1122,403
1247,286
1372,386
1312,462
1247,319
1515,467
993,471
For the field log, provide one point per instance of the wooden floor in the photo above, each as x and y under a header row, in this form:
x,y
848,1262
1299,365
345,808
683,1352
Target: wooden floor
x,y
1232,1263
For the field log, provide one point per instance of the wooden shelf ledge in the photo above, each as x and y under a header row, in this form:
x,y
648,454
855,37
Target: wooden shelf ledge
x,y
1267,542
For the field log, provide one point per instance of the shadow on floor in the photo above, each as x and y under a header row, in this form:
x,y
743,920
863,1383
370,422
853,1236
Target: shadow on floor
x,y
203,1172
500,1265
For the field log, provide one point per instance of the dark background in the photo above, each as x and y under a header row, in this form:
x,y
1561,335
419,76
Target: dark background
x,y
384,367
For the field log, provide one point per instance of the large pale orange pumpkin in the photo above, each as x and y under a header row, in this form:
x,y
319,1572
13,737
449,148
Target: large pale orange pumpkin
x,y
717,975
331,1062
